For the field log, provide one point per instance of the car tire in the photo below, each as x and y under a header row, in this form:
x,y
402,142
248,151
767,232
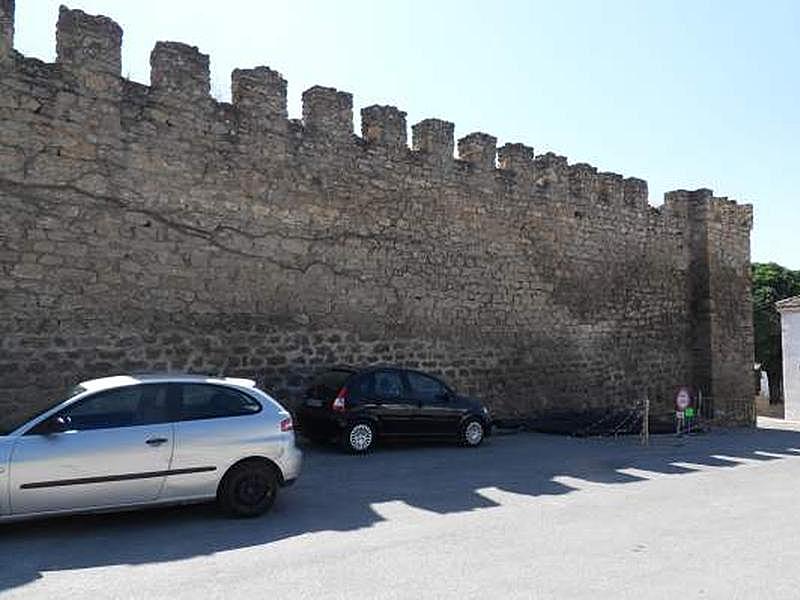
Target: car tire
x,y
248,489
359,438
473,433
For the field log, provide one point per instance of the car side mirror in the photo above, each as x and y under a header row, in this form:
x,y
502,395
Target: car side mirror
x,y
443,397
58,424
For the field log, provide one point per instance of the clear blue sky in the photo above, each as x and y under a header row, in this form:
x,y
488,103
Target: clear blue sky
x,y
683,94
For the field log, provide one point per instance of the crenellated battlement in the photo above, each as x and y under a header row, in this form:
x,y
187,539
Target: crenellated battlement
x,y
606,189
384,126
731,214
479,150
328,113
434,139
180,73
89,47
635,192
583,180
260,97
702,204
6,29
552,170
517,159
91,43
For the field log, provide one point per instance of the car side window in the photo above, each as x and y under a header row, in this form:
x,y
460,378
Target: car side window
x,y
426,389
129,406
205,401
361,387
387,385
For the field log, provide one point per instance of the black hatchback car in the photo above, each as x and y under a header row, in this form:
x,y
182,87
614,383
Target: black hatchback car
x,y
358,407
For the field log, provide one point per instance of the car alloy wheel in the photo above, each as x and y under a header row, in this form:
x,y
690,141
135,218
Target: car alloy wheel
x,y
252,489
248,489
360,437
473,433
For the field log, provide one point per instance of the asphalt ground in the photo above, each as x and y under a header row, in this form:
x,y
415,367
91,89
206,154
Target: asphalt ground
x,y
524,516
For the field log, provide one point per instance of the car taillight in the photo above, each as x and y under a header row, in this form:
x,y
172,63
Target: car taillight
x,y
287,425
340,403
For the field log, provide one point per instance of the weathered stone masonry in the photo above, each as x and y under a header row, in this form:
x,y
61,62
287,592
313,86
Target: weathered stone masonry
x,y
153,228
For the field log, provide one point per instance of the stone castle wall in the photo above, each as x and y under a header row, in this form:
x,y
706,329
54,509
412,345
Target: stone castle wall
x,y
153,228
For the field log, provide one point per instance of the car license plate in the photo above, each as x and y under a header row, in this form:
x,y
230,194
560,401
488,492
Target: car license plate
x,y
314,402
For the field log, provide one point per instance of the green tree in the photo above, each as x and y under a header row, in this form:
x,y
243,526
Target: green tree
x,y
771,283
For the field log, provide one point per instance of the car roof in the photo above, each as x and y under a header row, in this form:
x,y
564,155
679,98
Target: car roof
x,y
107,383
379,367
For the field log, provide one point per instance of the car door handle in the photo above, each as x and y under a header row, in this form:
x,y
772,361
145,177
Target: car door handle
x,y
156,441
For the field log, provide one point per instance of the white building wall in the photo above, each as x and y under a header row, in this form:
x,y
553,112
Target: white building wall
x,y
790,326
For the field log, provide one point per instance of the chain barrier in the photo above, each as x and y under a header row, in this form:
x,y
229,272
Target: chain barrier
x,y
617,422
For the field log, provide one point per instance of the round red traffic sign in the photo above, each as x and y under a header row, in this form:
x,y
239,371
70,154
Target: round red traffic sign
x,y
683,399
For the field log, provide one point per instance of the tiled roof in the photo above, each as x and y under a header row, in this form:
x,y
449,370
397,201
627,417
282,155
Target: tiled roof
x,y
789,304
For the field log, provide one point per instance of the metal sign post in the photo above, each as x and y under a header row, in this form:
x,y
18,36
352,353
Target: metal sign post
x,y
679,421
690,418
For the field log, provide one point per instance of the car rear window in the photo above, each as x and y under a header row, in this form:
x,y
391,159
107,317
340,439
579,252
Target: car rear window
x,y
202,401
328,384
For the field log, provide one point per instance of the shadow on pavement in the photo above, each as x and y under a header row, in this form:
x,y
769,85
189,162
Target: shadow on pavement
x,y
338,492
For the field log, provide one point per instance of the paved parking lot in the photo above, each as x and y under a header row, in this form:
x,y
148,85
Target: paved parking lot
x,y
526,516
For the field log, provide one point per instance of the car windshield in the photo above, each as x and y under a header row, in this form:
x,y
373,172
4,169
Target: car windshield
x,y
19,415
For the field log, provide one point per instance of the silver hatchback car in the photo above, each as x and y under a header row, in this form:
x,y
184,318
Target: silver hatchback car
x,y
132,441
